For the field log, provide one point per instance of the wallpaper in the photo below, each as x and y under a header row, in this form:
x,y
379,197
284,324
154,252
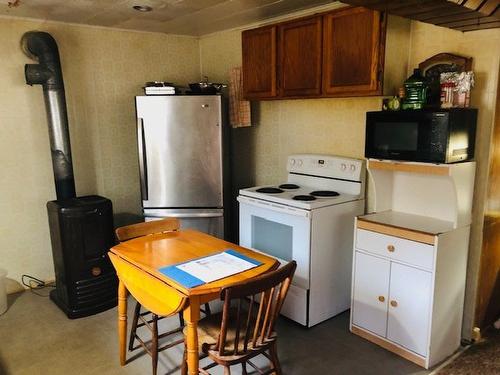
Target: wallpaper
x,y
103,70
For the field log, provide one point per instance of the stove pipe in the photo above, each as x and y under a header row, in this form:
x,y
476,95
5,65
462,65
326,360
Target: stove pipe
x,y
42,47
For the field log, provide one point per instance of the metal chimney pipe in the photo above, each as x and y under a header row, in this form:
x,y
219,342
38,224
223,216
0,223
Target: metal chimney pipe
x,y
42,47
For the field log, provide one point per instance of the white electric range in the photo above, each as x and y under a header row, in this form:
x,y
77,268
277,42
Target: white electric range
x,y
309,219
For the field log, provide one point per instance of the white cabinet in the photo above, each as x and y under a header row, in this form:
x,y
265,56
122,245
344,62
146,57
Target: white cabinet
x,y
409,304
400,286
392,300
370,293
410,258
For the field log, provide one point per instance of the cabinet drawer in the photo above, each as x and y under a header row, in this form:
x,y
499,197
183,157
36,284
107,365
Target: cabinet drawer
x,y
411,252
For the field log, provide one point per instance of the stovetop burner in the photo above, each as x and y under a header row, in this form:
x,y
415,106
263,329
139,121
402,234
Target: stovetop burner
x,y
304,198
289,186
325,193
269,190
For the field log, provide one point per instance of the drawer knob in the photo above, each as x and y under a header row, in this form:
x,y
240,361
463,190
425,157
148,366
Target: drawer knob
x,y
394,303
381,298
391,248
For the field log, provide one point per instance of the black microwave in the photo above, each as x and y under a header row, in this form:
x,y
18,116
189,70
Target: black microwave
x,y
424,135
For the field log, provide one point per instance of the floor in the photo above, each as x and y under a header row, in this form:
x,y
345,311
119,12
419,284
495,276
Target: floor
x,y
481,358
38,339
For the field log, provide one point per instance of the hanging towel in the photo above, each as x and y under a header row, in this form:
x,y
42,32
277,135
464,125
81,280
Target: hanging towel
x,y
239,109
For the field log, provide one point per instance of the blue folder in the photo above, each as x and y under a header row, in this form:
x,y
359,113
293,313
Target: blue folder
x,y
190,281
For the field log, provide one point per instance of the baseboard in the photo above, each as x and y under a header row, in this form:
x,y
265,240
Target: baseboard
x,y
415,358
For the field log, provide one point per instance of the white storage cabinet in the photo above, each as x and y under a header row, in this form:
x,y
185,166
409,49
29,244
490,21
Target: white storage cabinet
x,y
410,258
409,305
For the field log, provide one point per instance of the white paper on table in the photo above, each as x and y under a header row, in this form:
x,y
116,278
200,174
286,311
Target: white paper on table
x,y
216,267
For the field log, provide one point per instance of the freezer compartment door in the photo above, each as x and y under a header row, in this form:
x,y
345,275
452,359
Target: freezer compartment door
x,y
210,221
180,150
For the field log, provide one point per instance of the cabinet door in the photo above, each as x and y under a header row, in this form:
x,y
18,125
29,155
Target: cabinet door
x,y
353,52
410,296
370,293
259,62
300,57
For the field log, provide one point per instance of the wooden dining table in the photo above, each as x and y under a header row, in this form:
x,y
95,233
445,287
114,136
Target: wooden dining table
x,y
152,252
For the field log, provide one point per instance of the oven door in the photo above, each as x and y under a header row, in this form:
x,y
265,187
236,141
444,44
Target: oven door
x,y
277,230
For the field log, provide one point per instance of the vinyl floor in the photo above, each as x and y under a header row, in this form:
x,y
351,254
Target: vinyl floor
x,y
36,338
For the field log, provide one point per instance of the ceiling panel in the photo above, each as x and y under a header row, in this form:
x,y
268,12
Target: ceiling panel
x,y
187,17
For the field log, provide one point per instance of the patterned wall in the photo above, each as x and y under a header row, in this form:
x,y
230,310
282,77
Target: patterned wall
x,y
103,70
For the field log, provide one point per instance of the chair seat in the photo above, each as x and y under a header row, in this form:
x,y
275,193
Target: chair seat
x,y
209,330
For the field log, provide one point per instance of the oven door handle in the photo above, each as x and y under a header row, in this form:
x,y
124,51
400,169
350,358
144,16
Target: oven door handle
x,y
274,207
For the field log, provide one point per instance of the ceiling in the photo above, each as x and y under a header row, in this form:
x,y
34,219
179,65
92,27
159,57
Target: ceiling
x,y
183,17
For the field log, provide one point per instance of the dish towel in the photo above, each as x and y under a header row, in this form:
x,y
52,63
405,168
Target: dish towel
x,y
239,109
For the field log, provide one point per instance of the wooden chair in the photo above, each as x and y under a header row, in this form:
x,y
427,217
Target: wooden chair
x,y
157,297
141,319
245,328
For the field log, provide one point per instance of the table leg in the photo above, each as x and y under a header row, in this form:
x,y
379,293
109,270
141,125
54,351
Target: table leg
x,y
191,318
122,322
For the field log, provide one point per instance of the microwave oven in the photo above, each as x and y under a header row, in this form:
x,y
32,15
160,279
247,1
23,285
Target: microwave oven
x,y
422,135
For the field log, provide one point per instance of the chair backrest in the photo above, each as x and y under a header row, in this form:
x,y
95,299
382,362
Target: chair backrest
x,y
150,227
150,292
253,326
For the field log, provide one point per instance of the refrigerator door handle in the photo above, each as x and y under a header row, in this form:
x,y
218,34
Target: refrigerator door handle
x,y
143,164
191,215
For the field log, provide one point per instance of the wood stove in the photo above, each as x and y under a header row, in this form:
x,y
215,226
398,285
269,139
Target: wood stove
x,y
81,228
81,231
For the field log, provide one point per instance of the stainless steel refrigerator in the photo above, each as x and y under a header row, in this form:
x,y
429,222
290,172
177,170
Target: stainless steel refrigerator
x,y
180,144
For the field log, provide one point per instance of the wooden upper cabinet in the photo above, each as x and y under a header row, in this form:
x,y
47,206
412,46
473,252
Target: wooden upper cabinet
x,y
259,63
339,53
353,52
300,57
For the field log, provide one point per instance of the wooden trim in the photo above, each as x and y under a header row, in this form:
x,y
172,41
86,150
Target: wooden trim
x,y
462,62
488,280
415,358
437,11
440,170
381,51
391,230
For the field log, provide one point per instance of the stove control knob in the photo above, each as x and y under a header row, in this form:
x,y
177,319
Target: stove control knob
x,y
292,161
353,167
299,163
343,166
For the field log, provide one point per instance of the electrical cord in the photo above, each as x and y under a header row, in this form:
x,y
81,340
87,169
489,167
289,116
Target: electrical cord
x,y
35,284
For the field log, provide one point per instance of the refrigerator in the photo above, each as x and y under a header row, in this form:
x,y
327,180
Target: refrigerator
x,y
181,160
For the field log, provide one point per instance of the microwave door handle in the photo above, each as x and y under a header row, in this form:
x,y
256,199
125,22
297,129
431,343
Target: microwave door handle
x,y
143,164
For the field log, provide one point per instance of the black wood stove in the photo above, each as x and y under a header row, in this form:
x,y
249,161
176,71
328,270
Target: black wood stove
x,y
81,228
